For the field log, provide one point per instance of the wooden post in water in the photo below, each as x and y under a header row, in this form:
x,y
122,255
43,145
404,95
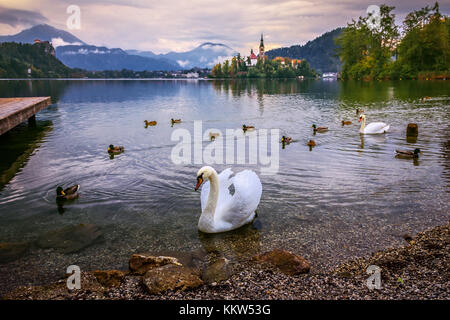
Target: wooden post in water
x,y
412,131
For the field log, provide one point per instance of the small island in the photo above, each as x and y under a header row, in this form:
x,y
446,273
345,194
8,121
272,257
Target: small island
x,y
261,66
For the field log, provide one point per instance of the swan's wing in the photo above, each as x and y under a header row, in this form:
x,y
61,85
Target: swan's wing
x,y
224,184
377,127
243,203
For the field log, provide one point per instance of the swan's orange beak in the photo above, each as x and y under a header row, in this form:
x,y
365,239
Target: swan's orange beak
x,y
199,183
360,118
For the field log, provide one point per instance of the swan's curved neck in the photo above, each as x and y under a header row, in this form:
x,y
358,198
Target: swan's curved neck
x,y
363,125
213,196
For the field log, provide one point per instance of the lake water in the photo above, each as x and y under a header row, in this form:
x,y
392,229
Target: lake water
x,y
345,198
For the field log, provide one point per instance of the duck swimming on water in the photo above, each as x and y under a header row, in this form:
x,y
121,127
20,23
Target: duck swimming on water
x,y
68,193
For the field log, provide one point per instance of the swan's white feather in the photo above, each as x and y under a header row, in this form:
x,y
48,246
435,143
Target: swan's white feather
x,y
376,127
233,211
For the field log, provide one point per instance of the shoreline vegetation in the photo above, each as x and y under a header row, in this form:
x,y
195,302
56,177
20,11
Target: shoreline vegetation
x,y
418,270
380,51
264,68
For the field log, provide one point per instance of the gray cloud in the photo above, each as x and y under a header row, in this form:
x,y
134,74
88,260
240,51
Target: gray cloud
x,y
179,25
16,17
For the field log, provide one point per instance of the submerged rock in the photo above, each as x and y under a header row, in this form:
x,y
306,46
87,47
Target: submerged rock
x,y
109,278
217,271
58,290
10,251
71,238
170,277
287,262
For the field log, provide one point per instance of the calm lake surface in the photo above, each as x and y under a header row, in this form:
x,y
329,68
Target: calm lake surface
x,y
347,197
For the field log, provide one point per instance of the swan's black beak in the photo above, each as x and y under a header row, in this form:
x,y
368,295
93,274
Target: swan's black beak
x,y
199,183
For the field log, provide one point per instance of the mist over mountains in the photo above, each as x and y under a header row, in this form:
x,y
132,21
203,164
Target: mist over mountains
x,y
75,53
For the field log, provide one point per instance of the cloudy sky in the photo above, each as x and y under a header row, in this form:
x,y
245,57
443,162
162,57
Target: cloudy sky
x,y
176,25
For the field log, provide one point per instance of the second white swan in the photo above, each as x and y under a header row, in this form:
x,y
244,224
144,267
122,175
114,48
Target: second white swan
x,y
221,210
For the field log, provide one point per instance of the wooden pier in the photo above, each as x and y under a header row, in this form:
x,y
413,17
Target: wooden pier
x,y
14,111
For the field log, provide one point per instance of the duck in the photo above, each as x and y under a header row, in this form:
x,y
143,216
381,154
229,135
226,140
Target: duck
x,y
150,123
175,120
358,111
408,154
213,135
221,210
286,140
319,129
346,122
68,193
372,128
245,128
426,98
311,143
114,150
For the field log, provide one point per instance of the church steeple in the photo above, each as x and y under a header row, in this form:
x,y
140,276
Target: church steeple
x,y
261,47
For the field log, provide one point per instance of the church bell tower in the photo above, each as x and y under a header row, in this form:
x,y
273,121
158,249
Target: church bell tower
x,y
261,47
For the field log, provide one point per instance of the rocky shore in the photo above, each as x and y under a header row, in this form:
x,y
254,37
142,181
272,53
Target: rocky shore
x,y
417,270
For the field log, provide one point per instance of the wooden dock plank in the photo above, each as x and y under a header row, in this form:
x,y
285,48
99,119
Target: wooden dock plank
x,y
14,111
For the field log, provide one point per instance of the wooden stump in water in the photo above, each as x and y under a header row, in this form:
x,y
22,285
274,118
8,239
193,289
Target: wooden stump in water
x,y
412,130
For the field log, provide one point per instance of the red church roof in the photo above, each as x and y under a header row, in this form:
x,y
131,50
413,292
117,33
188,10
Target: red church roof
x,y
253,56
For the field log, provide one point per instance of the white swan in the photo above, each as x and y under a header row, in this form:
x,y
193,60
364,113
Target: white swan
x,y
221,210
372,128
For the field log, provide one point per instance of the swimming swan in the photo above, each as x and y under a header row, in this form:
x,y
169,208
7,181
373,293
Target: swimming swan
x,y
372,128
221,210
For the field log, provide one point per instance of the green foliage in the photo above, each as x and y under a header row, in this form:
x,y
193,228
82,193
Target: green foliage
x,y
16,59
264,69
320,52
368,53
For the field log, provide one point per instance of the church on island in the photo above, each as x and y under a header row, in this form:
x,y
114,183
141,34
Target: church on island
x,y
253,58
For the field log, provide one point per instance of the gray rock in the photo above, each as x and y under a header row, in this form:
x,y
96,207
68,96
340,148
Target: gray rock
x,y
10,251
71,238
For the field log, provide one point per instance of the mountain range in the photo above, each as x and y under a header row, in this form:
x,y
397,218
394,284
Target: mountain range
x,y
75,53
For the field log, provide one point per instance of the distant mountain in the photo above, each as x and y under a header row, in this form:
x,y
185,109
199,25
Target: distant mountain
x,y
320,52
43,32
101,58
204,56
75,53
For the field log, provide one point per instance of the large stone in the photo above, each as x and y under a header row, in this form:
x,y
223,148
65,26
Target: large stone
x,y
10,251
285,261
170,277
71,238
141,263
217,271
109,278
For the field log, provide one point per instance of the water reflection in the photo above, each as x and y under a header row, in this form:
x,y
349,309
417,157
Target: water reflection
x,y
372,140
16,147
235,245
